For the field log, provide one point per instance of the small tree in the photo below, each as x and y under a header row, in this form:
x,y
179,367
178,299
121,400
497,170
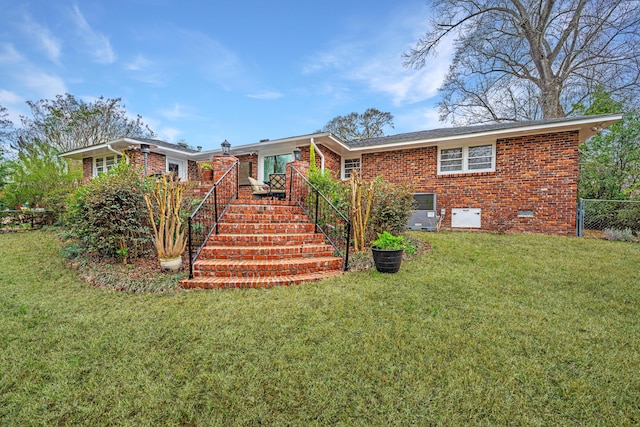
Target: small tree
x,y
164,204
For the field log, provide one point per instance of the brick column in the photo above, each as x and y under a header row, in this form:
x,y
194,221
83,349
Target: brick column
x,y
221,165
301,165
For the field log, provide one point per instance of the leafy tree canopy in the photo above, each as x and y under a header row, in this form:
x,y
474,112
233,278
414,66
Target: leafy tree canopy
x,y
67,123
610,161
355,126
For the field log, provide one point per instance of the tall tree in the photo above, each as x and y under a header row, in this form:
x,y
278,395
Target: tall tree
x,y
67,123
531,59
355,126
610,161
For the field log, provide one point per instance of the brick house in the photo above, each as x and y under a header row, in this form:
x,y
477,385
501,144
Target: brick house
x,y
516,177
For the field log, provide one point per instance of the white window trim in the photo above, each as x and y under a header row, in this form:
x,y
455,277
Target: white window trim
x,y
342,167
182,165
104,158
465,159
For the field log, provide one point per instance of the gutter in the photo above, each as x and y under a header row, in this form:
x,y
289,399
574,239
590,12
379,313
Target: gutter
x,y
113,150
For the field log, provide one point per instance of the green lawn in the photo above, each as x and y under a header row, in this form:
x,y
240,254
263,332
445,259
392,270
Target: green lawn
x,y
482,329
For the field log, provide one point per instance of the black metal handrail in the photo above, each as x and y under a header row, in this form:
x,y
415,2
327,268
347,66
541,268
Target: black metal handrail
x,y
328,219
204,220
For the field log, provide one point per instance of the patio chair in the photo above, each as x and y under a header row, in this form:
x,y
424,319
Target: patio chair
x,y
277,184
259,189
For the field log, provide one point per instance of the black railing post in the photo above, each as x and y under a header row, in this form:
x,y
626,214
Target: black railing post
x,y
189,243
290,181
317,200
237,168
215,207
346,257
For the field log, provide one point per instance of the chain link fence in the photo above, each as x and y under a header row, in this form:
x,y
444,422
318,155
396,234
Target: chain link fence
x,y
596,217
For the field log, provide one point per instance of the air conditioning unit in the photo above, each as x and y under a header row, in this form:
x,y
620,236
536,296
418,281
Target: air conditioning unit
x,y
424,217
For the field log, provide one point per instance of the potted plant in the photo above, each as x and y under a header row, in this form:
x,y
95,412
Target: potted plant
x,y
207,171
387,252
164,203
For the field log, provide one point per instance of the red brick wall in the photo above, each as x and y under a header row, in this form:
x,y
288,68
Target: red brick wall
x,y
87,169
156,163
254,163
538,173
332,160
193,172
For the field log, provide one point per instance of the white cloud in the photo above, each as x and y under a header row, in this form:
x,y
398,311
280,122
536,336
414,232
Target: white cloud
x,y
9,98
169,134
144,70
97,43
175,113
376,62
42,84
9,54
215,61
419,119
140,63
47,41
266,94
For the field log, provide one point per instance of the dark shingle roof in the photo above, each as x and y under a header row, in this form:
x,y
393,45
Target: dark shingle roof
x,y
164,144
451,131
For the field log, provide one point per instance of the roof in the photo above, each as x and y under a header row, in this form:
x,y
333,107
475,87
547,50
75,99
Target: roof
x,y
493,128
122,144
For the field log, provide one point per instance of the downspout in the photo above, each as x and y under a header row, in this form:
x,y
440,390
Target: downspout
x,y
319,152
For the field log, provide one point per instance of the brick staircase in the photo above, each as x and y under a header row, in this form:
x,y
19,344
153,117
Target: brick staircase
x,y
263,243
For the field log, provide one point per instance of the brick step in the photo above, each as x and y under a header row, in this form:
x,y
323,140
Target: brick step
x,y
254,282
264,218
263,202
265,268
266,252
264,209
266,228
267,239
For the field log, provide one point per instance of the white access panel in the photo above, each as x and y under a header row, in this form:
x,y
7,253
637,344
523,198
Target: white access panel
x,y
465,218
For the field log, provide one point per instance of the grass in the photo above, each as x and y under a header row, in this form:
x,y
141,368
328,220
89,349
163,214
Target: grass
x,y
482,329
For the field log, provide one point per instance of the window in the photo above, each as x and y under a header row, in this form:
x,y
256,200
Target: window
x,y
479,158
350,166
178,168
103,164
276,164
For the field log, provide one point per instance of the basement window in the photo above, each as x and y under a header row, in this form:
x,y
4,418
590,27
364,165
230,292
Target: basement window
x,y
525,213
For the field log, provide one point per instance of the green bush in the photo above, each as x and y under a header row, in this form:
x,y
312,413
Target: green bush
x,y
391,208
387,241
109,214
331,187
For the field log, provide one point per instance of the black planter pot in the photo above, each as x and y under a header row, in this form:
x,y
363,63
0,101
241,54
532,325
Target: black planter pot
x,y
387,261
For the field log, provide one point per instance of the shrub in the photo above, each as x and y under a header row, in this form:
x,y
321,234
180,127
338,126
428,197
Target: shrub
x,y
391,208
109,214
625,235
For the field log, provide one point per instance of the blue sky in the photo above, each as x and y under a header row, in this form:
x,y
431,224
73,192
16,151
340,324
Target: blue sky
x,y
236,70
